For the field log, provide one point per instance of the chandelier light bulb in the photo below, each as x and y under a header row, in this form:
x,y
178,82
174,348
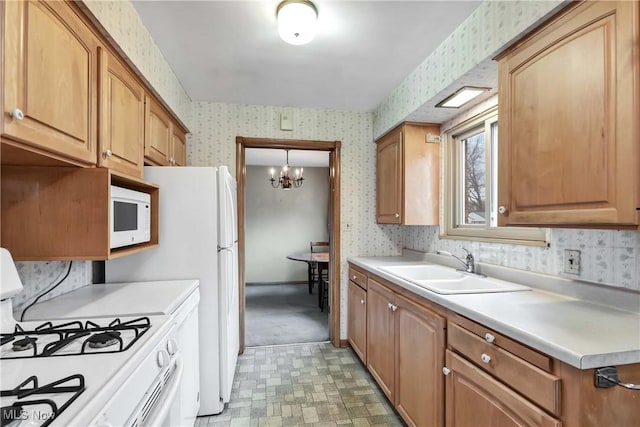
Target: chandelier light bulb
x,y
297,21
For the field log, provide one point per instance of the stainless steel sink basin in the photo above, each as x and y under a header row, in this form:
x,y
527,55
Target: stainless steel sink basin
x,y
445,280
423,272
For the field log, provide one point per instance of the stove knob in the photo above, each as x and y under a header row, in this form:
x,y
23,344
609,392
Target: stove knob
x,y
172,346
163,358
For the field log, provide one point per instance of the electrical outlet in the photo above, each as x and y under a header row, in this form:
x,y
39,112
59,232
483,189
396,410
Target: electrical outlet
x,y
571,261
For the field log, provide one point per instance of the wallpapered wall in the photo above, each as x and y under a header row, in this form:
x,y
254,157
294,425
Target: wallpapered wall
x,y
608,257
484,33
213,143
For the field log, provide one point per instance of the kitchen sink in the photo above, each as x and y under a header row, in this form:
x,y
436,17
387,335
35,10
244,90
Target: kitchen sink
x,y
469,284
445,280
419,272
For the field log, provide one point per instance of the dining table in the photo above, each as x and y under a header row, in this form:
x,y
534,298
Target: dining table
x,y
321,259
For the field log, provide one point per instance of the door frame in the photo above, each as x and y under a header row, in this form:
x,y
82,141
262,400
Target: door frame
x,y
333,148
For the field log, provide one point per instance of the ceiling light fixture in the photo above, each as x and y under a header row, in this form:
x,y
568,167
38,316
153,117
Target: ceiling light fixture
x,y
461,97
297,21
286,181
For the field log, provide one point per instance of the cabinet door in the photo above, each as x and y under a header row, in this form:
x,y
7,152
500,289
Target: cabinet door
x,y
419,359
157,136
474,398
178,147
50,69
389,184
357,320
122,118
380,338
568,120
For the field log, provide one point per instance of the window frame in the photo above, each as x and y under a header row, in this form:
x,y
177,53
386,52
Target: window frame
x,y
453,228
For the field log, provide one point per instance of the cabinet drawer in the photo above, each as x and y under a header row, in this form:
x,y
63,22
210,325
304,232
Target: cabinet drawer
x,y
529,380
358,278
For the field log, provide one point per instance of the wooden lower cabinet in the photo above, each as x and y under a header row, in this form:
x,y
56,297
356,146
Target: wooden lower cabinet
x,y
475,399
357,320
380,336
419,358
405,354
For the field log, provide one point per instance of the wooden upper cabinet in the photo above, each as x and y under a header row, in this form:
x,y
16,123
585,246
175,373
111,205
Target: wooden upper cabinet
x,y
178,147
50,84
568,120
158,134
165,143
407,175
122,117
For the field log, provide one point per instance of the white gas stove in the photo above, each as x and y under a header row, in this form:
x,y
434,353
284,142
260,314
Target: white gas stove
x,y
100,371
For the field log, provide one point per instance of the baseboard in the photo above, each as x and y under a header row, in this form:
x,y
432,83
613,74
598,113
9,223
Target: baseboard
x,y
344,343
295,282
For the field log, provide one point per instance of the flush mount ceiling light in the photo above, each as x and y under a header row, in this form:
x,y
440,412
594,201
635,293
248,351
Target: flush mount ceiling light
x,y
297,21
461,97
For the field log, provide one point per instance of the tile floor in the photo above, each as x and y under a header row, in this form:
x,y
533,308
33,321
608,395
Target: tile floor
x,y
303,384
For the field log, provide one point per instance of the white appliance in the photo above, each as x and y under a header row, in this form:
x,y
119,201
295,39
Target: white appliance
x,y
103,371
129,217
178,298
198,239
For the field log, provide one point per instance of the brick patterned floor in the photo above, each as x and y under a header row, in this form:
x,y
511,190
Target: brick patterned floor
x,y
304,384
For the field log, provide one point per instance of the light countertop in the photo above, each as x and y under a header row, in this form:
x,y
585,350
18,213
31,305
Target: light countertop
x,y
114,299
580,333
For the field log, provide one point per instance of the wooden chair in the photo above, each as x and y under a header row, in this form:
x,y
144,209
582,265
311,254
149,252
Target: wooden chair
x,y
323,294
316,271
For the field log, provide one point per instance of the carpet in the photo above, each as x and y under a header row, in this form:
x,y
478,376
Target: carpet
x,y
283,314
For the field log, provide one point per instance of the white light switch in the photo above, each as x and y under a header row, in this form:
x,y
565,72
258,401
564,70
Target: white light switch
x,y
286,120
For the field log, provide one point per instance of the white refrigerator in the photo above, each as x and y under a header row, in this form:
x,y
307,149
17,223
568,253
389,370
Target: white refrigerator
x,y
198,240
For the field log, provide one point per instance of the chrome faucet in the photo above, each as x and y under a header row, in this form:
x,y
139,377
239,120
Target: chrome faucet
x,y
469,264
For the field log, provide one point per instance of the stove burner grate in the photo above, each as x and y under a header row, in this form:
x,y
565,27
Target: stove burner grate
x,y
100,339
17,409
104,339
23,344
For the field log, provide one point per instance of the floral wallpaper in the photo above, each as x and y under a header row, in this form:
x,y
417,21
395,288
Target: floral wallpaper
x,y
212,142
125,27
484,33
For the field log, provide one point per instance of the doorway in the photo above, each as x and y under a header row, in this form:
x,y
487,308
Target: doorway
x,y
333,150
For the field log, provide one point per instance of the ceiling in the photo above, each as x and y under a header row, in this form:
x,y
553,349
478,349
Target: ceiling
x,y
230,51
276,157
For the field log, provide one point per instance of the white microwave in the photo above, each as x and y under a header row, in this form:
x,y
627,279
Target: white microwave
x,y
130,217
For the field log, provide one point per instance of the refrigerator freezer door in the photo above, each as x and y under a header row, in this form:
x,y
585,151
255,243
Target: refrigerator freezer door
x,y
228,216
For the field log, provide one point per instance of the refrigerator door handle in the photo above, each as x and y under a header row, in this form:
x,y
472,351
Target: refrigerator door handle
x,y
226,248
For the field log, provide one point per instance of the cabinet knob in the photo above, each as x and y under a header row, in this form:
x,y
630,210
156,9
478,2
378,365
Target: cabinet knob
x,y
502,210
397,215
389,305
489,338
17,114
485,358
446,371
362,301
354,277
394,307
108,153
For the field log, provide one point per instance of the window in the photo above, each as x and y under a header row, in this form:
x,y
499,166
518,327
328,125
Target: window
x,y
471,184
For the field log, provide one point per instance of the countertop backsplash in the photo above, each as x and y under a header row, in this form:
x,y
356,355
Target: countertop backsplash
x,y
608,257
38,276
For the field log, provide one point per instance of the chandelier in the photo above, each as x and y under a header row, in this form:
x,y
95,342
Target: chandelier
x,y
286,181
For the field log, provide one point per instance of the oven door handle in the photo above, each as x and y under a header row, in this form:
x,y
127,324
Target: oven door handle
x,y
168,396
